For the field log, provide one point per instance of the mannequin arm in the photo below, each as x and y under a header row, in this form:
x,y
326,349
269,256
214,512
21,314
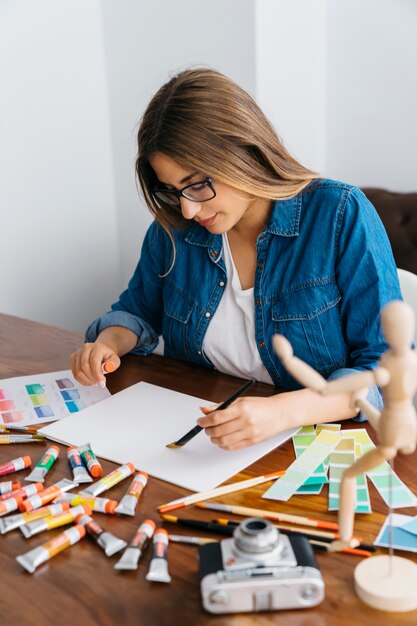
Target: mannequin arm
x,y
349,384
299,370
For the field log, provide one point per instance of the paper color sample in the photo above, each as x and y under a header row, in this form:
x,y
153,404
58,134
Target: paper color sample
x,y
383,477
342,457
39,397
303,466
301,440
402,537
137,423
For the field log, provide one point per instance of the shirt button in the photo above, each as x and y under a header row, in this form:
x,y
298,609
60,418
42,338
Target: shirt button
x,y
258,302
262,344
208,314
199,352
260,266
221,283
213,253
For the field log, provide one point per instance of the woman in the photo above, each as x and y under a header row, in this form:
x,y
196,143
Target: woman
x,y
246,243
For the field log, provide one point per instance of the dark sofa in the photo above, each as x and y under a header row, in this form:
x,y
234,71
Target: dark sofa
x,y
398,212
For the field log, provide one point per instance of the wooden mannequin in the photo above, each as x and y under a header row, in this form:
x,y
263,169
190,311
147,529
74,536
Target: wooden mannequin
x,y
381,584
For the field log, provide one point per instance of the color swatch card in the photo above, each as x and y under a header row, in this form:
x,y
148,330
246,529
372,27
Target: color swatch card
x,y
304,466
302,439
342,457
136,425
400,530
391,488
44,397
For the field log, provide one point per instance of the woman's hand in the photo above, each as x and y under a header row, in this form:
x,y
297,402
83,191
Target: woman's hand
x,y
252,420
86,363
245,422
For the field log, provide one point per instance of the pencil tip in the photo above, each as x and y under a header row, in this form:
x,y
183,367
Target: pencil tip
x,y
172,445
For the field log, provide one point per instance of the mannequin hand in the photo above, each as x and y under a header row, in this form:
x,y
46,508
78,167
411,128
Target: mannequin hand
x,y
361,394
86,363
245,422
282,347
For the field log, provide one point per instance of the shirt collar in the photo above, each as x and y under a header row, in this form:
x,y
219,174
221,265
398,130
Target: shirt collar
x,y
284,221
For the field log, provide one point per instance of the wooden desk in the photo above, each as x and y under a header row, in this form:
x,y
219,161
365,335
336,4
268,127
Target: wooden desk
x,y
80,586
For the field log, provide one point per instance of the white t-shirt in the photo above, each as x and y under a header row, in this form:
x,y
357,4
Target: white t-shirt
x,y
229,342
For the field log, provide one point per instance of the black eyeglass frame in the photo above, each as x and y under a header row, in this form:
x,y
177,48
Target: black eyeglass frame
x,y
179,193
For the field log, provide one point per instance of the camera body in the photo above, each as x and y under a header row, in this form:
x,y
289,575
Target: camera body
x,y
259,569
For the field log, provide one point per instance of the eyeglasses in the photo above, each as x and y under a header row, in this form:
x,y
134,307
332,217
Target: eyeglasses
x,y
200,191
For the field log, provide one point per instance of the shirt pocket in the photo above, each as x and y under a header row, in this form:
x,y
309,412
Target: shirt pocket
x,y
309,318
176,325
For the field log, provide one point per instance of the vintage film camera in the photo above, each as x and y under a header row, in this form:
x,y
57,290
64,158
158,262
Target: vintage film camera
x,y
259,569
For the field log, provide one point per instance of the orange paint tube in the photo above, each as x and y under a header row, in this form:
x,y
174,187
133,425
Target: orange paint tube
x,y
32,559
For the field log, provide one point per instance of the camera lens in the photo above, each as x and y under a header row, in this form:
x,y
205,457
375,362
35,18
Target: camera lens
x,y
256,535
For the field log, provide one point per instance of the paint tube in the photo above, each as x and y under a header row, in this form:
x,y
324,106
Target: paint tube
x,y
78,469
32,559
115,477
23,492
48,523
158,569
127,504
39,472
90,460
107,541
98,505
135,549
15,465
8,486
15,521
49,494
15,502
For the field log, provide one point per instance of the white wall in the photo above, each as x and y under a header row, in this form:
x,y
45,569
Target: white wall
x,y
146,43
372,93
58,253
291,48
337,79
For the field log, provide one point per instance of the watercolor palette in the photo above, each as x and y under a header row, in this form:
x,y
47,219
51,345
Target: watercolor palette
x,y
44,397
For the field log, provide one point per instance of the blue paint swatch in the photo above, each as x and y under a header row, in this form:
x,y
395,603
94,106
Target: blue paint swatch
x,y
75,406
44,411
71,394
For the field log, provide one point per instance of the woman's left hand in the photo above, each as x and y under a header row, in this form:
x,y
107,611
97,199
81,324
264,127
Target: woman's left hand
x,y
245,422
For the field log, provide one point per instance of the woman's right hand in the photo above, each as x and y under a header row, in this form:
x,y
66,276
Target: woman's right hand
x,y
87,362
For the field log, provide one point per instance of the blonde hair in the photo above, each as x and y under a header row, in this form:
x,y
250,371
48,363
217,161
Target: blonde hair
x,y
206,122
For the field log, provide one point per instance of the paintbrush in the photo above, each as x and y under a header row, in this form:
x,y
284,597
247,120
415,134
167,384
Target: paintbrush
x,y
197,429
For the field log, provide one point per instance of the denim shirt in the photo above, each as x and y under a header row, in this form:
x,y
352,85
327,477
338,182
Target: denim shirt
x,y
324,271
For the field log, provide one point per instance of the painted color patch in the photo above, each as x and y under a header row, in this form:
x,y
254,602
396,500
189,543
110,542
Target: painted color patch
x,y
65,383
35,389
12,416
71,394
44,411
74,407
39,400
7,405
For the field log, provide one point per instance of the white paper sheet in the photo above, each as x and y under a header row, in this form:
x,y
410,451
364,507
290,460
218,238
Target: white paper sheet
x,y
137,423
37,398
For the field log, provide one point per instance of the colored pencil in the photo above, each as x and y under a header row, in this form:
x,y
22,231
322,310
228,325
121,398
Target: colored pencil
x,y
322,535
212,527
197,429
199,541
271,515
325,547
218,491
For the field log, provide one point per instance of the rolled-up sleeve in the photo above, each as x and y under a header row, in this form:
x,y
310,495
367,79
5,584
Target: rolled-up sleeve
x,y
140,306
374,395
367,279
